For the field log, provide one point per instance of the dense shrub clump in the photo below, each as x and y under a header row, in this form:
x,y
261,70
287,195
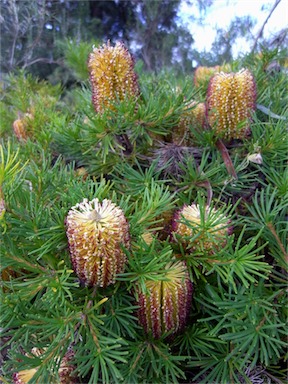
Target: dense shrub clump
x,y
143,229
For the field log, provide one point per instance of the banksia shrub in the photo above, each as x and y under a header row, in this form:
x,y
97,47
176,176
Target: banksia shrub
x,y
96,234
179,201
65,371
166,304
112,75
231,100
200,229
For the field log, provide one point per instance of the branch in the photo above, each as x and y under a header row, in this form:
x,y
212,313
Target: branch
x,y
16,32
263,26
42,60
42,6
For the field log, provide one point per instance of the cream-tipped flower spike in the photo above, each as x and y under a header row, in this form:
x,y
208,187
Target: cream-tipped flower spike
x,y
23,377
112,75
231,98
194,116
208,227
96,233
203,74
166,304
20,127
65,371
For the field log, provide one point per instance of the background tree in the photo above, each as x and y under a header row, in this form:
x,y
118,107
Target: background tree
x,y
33,28
29,30
156,32
117,18
153,30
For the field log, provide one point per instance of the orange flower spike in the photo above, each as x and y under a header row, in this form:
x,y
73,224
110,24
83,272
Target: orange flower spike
x,y
166,304
231,98
112,75
96,232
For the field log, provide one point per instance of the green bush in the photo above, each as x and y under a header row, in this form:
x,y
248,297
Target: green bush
x,y
236,330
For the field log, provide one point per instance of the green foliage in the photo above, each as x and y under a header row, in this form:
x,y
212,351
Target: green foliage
x,y
23,94
76,56
236,331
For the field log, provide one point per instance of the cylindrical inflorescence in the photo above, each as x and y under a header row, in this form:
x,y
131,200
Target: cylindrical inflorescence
x,y
203,74
193,116
231,99
20,127
97,233
201,230
112,75
165,305
66,370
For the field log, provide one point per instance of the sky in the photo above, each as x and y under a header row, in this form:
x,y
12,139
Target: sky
x,y
222,12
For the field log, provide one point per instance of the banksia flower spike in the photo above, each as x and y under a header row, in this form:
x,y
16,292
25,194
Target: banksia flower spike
x,y
203,74
166,304
112,75
66,375
23,377
96,233
200,229
20,127
195,117
231,99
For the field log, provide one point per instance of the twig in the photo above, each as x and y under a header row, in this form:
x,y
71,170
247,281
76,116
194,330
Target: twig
x,y
42,60
29,52
263,26
16,32
274,233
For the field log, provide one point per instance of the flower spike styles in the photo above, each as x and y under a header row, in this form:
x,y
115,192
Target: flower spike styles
x,y
231,99
201,230
194,116
65,371
166,304
96,233
112,75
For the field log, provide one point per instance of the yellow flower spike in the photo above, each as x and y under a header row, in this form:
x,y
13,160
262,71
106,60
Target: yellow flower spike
x,y
194,116
96,233
147,237
65,371
208,229
20,127
23,377
231,98
203,74
112,75
166,304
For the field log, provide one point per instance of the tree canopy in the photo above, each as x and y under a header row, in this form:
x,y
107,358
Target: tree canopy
x,y
32,32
